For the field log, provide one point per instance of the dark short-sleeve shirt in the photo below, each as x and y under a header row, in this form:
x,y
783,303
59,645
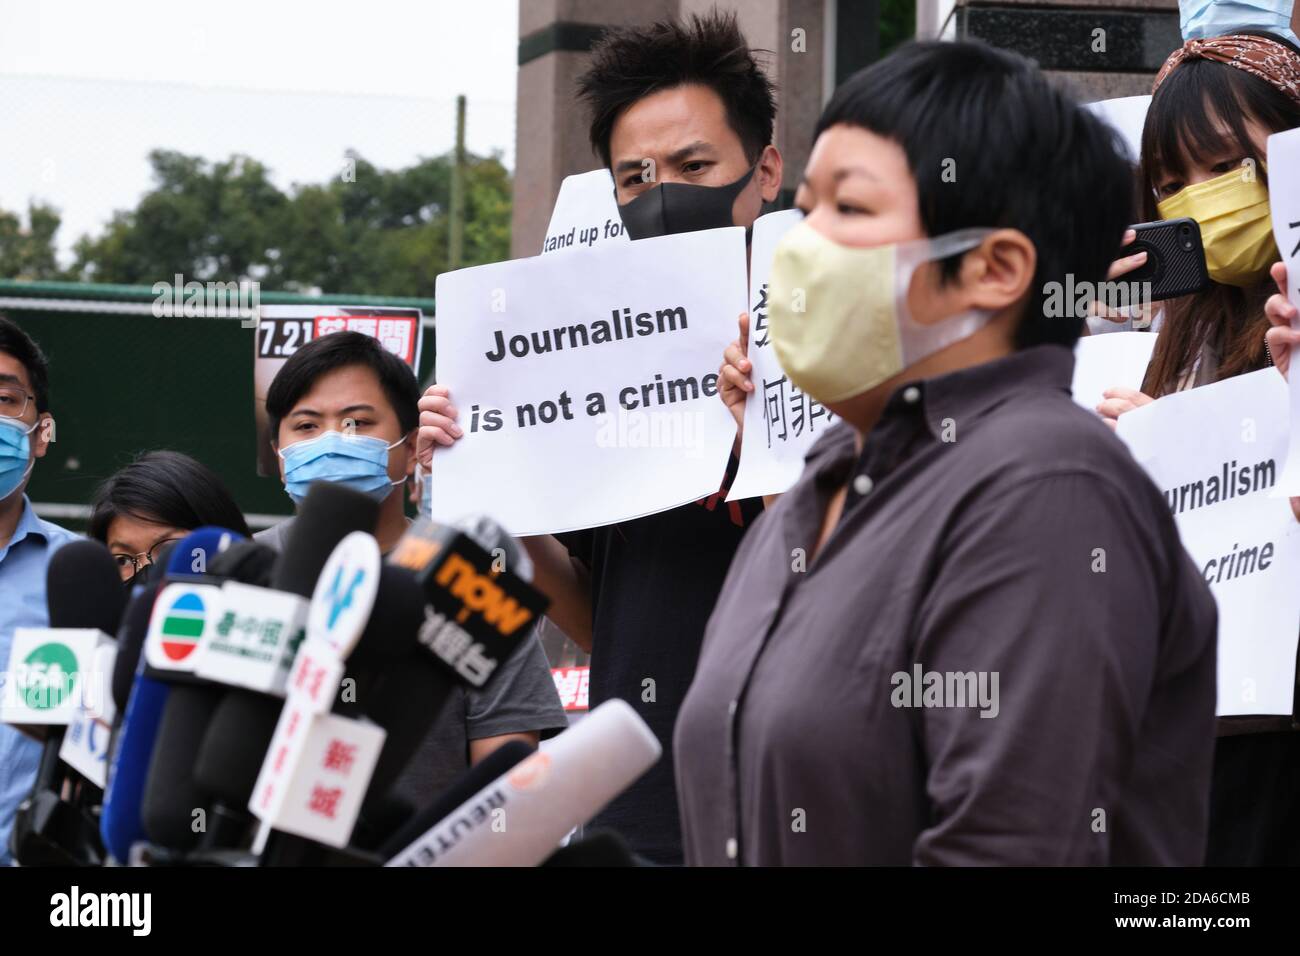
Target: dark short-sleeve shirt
x,y
845,710
654,581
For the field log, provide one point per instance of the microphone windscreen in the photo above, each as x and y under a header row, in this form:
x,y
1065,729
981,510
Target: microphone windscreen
x,y
326,515
390,632
120,824
232,750
130,641
196,550
498,762
599,848
83,587
171,794
247,562
492,537
406,699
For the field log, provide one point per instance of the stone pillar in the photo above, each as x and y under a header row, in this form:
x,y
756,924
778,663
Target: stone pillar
x,y
550,127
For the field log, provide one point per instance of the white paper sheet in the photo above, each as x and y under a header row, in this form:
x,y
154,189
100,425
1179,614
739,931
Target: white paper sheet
x,y
1216,452
1105,361
1127,114
781,423
558,471
585,214
1284,205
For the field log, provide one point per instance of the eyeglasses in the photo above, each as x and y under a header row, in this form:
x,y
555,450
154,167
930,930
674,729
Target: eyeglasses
x,y
13,401
137,562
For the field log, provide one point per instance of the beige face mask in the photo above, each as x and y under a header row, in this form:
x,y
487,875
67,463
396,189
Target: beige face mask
x,y
838,317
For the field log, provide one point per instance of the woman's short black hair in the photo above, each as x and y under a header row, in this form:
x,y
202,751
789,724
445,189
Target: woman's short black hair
x,y
630,63
168,488
22,347
1017,153
339,350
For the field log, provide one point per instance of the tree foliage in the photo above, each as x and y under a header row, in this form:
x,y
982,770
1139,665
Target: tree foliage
x,y
366,231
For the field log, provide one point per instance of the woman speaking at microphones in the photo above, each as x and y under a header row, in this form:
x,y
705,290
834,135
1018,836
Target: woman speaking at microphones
x,y
920,654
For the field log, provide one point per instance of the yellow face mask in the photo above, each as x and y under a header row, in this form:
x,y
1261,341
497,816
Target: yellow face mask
x,y
1236,228
838,317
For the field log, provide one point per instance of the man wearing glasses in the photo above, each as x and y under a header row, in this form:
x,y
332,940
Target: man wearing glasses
x,y
26,541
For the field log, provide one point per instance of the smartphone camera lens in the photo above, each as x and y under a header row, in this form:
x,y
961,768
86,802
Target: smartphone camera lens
x,y
1185,233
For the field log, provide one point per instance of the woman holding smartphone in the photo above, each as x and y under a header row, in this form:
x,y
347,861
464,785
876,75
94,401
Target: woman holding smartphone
x,y
1216,102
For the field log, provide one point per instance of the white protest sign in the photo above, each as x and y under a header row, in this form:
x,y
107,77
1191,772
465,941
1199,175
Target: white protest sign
x,y
1284,205
1107,361
587,385
1215,453
585,214
781,422
1127,114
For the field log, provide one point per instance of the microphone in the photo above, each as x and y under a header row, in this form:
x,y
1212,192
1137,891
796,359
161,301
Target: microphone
x,y
256,641
603,848
238,737
122,818
482,610
544,797
464,787
53,670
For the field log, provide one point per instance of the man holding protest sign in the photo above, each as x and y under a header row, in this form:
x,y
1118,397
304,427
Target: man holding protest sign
x,y
682,115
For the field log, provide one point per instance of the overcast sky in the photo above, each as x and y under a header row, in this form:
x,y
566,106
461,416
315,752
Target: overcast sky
x,y
88,87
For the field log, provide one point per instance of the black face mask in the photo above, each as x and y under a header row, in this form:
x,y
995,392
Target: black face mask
x,y
672,208
143,577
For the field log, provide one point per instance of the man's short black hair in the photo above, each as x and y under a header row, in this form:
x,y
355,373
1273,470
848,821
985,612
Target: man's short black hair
x,y
21,346
339,350
631,63
1022,154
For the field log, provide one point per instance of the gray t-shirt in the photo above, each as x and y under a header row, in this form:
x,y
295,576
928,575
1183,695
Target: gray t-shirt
x,y
521,699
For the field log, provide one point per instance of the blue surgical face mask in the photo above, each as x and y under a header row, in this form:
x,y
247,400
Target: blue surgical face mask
x,y
358,461
15,455
1212,18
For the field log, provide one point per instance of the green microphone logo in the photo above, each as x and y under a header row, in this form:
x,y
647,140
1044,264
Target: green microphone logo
x,y
48,677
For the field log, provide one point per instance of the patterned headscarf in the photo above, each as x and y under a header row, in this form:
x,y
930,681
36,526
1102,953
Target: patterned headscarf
x,y
1267,59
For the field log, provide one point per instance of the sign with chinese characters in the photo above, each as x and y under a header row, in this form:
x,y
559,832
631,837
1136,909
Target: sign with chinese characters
x,y
479,611
253,640
283,329
571,684
781,422
316,773
1284,205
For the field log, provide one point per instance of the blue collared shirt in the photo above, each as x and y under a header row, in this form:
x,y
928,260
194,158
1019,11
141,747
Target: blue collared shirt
x,y
22,604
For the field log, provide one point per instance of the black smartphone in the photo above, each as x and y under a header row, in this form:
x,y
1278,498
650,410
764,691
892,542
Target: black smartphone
x,y
1175,258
